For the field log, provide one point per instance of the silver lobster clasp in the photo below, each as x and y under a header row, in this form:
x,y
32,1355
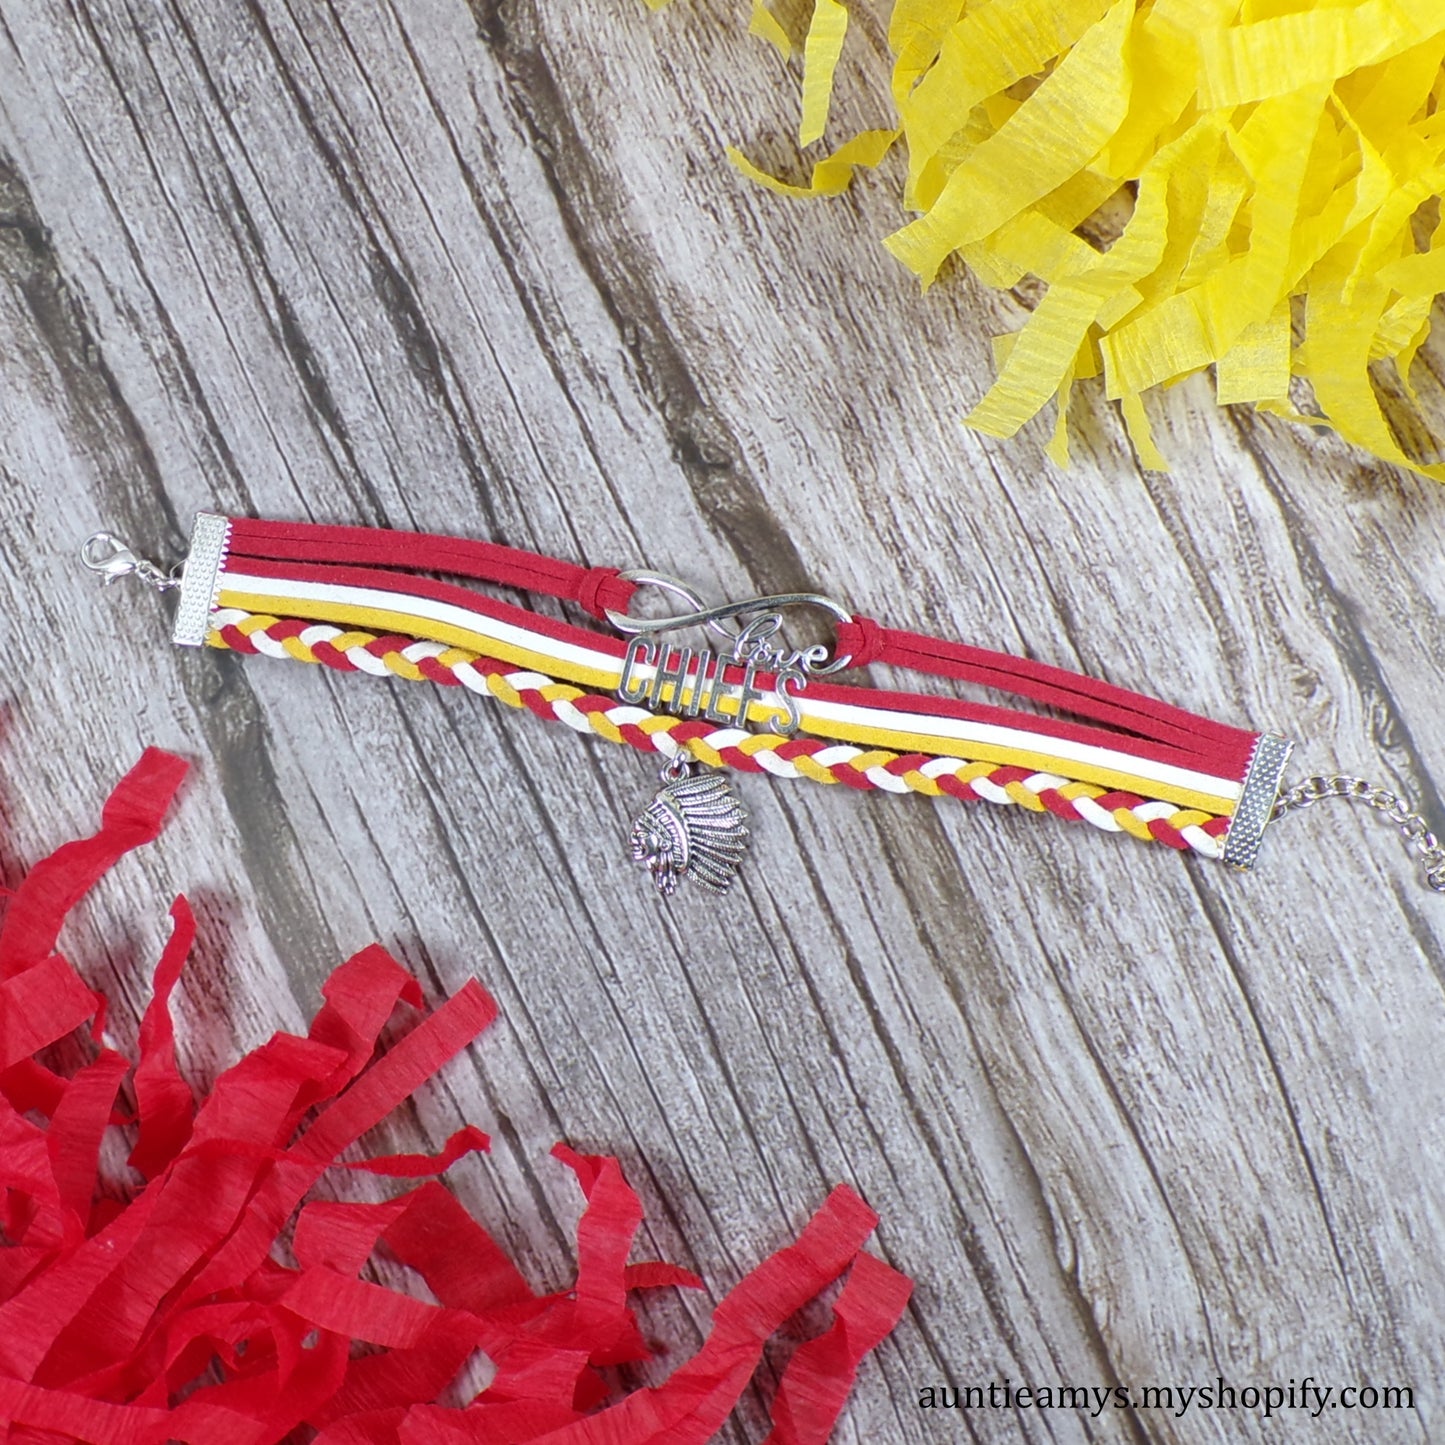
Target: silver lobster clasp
x,y
105,553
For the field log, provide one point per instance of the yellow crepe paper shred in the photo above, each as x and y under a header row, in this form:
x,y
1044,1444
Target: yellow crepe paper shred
x,y
1247,185
765,25
820,59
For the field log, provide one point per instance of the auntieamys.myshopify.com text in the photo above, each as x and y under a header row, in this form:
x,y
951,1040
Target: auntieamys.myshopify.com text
x,y
1306,1395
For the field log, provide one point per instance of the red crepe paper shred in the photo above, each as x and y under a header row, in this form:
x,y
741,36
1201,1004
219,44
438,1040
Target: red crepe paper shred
x,y
160,1308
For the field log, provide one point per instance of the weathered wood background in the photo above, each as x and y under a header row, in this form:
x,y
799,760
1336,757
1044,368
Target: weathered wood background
x,y
482,269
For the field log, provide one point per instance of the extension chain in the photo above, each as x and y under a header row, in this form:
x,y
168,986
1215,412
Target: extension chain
x,y
1392,806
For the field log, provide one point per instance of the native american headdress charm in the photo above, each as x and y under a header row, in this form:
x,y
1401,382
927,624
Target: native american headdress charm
x,y
693,828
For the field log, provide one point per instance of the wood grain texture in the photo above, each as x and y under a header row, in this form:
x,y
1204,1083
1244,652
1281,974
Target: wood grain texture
x,y
481,269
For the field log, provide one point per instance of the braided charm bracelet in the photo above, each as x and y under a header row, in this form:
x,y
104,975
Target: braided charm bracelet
x,y
359,599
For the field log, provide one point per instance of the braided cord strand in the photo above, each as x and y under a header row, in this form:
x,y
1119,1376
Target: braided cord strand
x,y
346,650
